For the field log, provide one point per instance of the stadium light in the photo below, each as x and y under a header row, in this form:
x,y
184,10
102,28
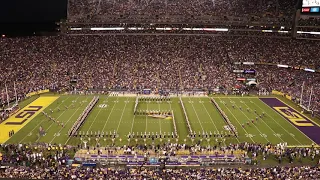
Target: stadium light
x,y
306,32
283,66
107,29
75,29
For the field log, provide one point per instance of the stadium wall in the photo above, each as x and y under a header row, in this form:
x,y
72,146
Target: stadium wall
x,y
37,92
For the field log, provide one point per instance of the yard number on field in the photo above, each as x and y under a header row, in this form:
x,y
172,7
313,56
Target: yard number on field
x,y
263,135
249,135
277,135
102,106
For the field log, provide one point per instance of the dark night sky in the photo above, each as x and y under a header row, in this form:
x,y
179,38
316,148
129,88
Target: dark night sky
x,y
31,15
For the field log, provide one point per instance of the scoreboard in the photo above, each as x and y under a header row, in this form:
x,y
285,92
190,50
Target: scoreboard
x,y
310,6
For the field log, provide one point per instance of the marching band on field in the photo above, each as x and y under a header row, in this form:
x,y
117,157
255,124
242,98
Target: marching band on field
x,y
154,112
154,98
154,135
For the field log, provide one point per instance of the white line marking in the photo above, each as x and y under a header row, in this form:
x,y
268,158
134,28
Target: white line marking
x,y
159,121
267,125
66,123
252,123
238,122
42,121
57,119
146,120
287,122
95,118
122,115
213,121
104,126
197,116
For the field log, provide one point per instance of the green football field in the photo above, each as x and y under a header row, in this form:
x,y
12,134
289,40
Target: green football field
x,y
116,114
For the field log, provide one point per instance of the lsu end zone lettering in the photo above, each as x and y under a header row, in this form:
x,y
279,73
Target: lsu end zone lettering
x,y
301,122
23,117
294,117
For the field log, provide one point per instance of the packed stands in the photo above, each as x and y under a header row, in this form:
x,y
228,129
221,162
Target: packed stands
x,y
161,62
83,116
45,161
181,10
137,62
304,172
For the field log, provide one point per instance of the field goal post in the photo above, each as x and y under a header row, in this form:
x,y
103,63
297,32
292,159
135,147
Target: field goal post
x,y
309,97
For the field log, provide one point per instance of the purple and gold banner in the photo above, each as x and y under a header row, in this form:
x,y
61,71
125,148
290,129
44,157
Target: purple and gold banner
x,y
301,122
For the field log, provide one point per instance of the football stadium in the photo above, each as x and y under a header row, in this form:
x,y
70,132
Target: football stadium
x,y
132,89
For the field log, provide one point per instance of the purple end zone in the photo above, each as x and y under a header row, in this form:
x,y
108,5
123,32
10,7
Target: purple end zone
x,y
302,123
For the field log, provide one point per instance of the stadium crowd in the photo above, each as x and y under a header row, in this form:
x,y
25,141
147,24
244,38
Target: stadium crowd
x,y
304,172
155,62
50,162
99,11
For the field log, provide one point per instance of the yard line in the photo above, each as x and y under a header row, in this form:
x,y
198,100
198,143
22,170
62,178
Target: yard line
x,y
281,125
126,102
267,125
238,122
41,123
95,118
209,116
196,115
212,119
66,122
146,119
159,121
104,126
91,123
56,119
134,116
253,124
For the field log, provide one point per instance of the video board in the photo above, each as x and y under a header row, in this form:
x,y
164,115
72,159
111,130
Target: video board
x,y
310,7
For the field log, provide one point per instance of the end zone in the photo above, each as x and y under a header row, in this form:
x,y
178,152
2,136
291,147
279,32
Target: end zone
x,y
301,122
24,116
